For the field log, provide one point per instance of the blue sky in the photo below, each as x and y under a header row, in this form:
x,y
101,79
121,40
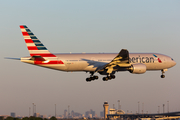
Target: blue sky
x,y
92,27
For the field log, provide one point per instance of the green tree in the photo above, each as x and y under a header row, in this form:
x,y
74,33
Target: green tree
x,y
17,119
9,118
32,118
1,118
38,118
53,118
25,118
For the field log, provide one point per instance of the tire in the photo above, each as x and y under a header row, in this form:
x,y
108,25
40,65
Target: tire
x,y
162,76
88,80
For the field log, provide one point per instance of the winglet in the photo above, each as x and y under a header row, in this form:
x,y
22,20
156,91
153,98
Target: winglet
x,y
35,47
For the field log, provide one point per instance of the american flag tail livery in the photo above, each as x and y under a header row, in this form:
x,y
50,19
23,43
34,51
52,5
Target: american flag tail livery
x,y
39,53
35,47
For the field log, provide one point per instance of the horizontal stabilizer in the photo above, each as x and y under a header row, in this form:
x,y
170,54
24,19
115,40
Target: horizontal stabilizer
x,y
13,58
37,58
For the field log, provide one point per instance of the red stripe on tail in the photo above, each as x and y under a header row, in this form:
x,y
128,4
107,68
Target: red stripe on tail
x,y
25,34
48,63
21,26
32,48
43,54
28,41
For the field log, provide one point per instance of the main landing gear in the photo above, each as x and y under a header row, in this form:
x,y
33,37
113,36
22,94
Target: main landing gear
x,y
109,77
163,71
92,77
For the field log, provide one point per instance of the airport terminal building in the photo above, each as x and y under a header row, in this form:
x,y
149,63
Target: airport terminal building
x,y
121,115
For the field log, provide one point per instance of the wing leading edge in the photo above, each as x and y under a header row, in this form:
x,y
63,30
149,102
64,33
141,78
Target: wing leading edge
x,y
121,60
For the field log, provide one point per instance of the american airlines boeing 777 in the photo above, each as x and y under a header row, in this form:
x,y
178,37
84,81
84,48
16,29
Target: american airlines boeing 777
x,y
103,63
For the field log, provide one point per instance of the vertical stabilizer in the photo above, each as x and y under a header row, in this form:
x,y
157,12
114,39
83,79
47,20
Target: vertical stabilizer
x,y
35,47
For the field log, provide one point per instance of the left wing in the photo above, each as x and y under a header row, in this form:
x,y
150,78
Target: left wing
x,y
121,60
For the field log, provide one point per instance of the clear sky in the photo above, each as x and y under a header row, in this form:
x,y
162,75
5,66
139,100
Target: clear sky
x,y
88,26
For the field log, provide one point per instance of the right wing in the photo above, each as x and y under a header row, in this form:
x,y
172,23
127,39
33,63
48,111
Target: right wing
x,y
121,60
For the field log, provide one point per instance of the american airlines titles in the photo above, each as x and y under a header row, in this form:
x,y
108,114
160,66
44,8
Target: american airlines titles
x,y
141,59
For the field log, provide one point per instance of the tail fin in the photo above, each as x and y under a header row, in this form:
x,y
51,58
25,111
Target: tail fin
x,y
35,47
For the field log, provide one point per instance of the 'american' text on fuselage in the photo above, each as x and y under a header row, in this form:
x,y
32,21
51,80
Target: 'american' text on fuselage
x,y
141,60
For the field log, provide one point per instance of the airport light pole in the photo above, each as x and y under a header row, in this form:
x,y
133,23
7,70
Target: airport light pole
x,y
119,104
138,107
29,111
158,109
142,107
55,110
168,106
163,107
33,109
68,111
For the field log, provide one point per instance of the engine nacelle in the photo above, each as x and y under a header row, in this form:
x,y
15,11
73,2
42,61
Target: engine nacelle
x,y
137,68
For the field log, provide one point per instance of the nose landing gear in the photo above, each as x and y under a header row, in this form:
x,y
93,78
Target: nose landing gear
x,y
162,76
163,71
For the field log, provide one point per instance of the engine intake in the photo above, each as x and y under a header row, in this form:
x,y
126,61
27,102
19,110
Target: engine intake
x,y
137,68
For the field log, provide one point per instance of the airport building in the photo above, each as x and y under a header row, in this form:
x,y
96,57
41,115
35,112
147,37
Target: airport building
x,y
13,114
36,114
114,114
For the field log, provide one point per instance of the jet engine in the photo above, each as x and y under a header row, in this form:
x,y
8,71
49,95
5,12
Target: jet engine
x,y
137,68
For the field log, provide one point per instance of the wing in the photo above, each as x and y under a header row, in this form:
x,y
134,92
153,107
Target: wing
x,y
121,60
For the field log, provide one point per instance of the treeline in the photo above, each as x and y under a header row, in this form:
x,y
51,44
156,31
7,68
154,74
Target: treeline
x,y
38,118
28,118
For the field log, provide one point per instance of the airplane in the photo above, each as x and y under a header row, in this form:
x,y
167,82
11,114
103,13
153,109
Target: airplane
x,y
103,63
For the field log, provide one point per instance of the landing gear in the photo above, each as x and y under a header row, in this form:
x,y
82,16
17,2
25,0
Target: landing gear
x,y
109,77
105,78
162,76
163,71
92,77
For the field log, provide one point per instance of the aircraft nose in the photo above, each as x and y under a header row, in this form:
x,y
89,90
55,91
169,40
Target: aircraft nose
x,y
173,63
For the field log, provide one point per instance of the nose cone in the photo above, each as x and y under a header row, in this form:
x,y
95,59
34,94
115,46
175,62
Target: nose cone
x,y
173,63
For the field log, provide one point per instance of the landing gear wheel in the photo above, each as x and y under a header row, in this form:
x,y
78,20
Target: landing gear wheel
x,y
96,77
113,76
92,78
162,76
105,79
109,77
163,71
88,79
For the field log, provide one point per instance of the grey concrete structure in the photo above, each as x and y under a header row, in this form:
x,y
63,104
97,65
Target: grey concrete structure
x,y
105,105
163,116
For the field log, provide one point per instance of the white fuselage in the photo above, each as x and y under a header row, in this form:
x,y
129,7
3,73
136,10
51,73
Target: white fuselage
x,y
90,61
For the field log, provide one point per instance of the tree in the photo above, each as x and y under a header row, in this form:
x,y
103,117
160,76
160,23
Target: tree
x,y
32,118
25,118
16,119
53,118
9,118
